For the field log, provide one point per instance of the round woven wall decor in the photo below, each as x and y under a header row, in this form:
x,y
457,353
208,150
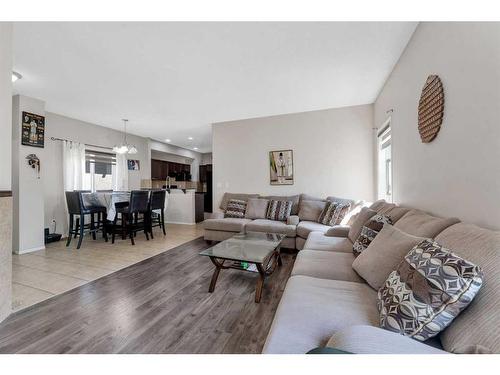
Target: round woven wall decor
x,y
430,109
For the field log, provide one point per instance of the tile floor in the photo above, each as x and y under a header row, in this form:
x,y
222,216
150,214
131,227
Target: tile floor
x,y
43,274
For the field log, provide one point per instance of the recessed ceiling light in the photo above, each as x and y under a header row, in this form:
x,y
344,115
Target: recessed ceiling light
x,y
190,138
16,76
168,140
195,148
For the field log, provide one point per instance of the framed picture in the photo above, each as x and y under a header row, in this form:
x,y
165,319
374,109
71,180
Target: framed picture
x,y
281,167
33,130
133,165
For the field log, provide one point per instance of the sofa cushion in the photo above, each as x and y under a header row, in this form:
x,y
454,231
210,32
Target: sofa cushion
x,y
294,198
383,255
430,287
311,310
361,339
369,231
351,202
389,209
381,205
333,213
271,226
319,241
364,215
421,224
228,196
325,265
338,231
307,197
235,208
310,210
256,208
477,328
306,227
279,210
226,224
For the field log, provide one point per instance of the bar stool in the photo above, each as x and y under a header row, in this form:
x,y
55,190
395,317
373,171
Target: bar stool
x,y
77,209
134,217
157,219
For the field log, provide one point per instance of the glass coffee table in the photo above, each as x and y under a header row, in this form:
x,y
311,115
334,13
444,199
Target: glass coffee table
x,y
252,251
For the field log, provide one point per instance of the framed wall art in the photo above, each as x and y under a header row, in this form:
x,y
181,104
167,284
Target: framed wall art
x,y
33,130
133,165
281,167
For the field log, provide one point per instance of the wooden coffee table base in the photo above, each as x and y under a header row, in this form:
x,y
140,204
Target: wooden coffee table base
x,y
264,271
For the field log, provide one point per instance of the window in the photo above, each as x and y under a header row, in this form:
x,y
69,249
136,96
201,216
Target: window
x,y
384,174
99,168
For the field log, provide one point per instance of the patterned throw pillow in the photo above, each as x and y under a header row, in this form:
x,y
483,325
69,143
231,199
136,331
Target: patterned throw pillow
x,y
236,208
333,213
279,210
430,287
369,231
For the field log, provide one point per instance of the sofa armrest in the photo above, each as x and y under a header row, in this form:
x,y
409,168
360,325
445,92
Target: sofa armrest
x,y
293,220
374,340
338,231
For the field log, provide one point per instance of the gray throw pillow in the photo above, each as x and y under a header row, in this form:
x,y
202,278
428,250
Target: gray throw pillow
x,y
430,287
256,208
311,209
361,218
383,255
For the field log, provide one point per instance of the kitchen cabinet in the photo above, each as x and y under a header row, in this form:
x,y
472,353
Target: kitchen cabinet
x,y
160,169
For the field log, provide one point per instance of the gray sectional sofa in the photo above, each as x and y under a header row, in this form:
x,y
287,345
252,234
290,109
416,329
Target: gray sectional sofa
x,y
326,303
303,219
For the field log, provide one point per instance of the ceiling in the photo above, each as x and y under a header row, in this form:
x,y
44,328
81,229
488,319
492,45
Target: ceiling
x,y
172,80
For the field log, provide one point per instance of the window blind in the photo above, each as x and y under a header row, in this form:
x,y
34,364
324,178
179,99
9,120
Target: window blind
x,y
103,161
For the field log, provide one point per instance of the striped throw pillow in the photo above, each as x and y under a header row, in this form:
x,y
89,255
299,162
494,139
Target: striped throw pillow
x,y
333,213
236,208
279,210
369,232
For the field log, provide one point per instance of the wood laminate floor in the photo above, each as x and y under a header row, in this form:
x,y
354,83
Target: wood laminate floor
x,y
43,274
160,305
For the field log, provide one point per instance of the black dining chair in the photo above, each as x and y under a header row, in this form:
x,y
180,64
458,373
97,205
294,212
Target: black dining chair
x,y
77,210
157,212
134,217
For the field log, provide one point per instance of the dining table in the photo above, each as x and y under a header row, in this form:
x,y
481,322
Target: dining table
x,y
108,199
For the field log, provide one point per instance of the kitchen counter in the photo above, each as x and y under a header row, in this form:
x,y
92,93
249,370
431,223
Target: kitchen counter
x,y
183,207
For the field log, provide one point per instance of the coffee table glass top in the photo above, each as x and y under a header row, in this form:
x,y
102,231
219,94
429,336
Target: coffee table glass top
x,y
249,247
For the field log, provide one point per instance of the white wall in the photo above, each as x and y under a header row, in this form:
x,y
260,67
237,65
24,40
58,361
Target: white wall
x,y
76,130
458,174
206,158
27,184
5,169
5,104
332,153
183,152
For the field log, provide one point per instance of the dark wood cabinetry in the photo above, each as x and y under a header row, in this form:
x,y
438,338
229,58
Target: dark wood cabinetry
x,y
206,179
205,170
160,169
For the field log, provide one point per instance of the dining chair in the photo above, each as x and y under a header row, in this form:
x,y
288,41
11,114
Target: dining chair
x,y
78,210
134,217
157,212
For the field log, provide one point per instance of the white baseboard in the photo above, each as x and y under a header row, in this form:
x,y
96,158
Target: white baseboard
x,y
179,222
25,251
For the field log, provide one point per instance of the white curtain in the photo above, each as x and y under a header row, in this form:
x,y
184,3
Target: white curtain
x,y
120,173
73,165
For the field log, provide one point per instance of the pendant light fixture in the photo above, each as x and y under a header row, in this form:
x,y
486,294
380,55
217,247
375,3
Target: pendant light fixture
x,y
125,148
